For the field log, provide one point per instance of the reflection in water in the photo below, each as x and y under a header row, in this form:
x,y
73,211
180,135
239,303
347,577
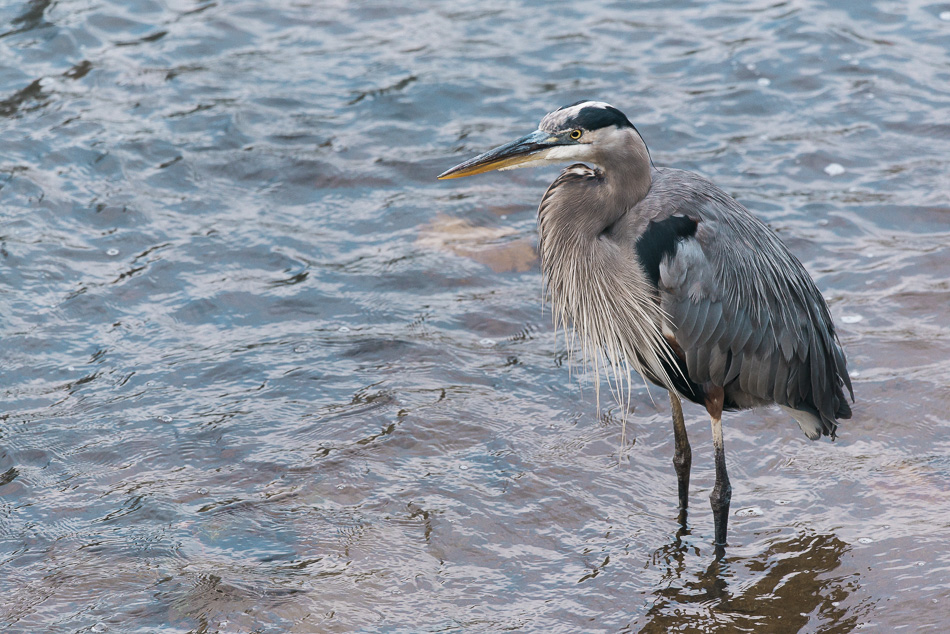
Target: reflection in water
x,y
777,590
31,17
490,246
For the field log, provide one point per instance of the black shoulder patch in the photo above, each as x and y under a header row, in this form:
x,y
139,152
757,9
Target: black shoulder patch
x,y
660,240
595,117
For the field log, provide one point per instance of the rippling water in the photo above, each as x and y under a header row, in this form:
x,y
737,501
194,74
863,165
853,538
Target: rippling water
x,y
261,372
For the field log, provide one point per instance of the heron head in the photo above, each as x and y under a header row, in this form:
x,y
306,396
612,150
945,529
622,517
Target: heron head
x,y
584,131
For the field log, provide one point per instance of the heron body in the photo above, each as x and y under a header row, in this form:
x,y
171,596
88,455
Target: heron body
x,y
661,271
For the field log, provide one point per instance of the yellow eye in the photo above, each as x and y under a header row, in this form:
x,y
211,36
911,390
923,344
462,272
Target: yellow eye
x,y
576,134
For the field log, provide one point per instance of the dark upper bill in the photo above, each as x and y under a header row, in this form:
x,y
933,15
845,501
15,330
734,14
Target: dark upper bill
x,y
506,156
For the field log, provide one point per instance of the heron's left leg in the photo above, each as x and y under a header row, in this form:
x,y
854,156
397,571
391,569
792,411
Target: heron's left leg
x,y
722,491
683,458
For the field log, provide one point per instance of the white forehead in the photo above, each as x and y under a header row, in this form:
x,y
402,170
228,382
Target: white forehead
x,y
557,120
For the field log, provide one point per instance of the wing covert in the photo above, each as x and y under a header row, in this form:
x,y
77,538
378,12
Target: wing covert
x,y
743,309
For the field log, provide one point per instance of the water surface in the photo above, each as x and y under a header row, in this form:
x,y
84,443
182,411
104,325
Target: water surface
x,y
262,373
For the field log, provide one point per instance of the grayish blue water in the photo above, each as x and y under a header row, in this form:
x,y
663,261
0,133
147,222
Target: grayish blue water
x,y
261,372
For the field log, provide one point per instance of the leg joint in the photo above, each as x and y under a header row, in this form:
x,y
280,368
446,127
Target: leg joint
x,y
683,458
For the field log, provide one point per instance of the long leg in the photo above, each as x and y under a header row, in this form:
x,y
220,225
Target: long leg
x,y
722,491
683,458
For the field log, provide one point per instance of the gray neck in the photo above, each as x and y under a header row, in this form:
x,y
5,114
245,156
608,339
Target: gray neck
x,y
584,208
579,205
593,283
625,164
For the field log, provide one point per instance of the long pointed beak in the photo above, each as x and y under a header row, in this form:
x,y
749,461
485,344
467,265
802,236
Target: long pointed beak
x,y
505,156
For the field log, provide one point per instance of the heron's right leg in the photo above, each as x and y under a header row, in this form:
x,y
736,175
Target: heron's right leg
x,y
722,491
683,458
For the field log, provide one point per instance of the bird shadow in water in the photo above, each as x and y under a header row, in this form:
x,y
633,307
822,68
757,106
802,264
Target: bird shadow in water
x,y
788,585
673,556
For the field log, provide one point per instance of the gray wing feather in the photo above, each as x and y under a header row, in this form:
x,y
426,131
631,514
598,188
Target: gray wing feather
x,y
780,382
732,372
742,307
717,365
713,316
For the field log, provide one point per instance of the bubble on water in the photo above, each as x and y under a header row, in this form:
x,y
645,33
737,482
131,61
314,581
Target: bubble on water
x,y
750,66
835,603
783,502
112,252
834,169
302,348
752,511
921,563
203,491
945,16
343,329
854,373
71,368
487,342
165,418
865,540
851,319
823,222
764,81
846,56
98,627
341,486
463,467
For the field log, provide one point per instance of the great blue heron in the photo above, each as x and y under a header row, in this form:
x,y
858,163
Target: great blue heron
x,y
661,271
